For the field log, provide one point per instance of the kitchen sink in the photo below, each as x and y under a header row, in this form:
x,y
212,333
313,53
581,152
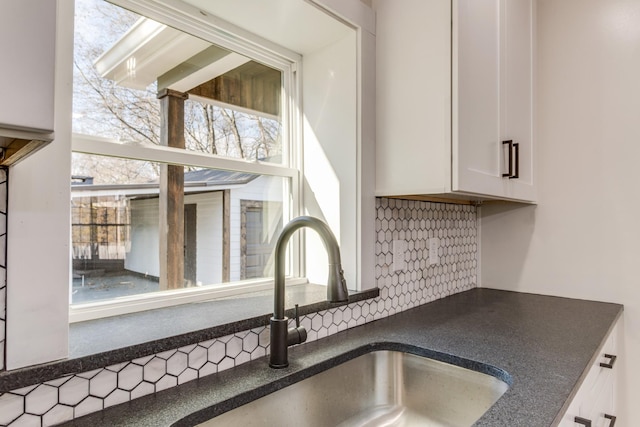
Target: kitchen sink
x,y
381,388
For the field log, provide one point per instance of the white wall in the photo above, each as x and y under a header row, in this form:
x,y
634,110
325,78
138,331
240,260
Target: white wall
x,y
583,238
331,152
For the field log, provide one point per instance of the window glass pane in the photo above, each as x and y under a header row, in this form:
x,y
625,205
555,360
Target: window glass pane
x,y
133,76
221,226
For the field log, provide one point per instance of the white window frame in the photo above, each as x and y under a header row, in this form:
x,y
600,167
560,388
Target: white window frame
x,y
222,34
39,194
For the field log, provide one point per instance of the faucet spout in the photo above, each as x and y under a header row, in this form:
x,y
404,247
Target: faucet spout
x,y
281,336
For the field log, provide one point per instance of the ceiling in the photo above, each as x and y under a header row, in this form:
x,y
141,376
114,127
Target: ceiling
x,y
294,24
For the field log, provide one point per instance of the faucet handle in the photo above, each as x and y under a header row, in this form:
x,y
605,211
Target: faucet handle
x,y
296,335
295,313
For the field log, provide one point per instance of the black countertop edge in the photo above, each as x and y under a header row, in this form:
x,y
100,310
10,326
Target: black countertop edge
x,y
16,379
540,345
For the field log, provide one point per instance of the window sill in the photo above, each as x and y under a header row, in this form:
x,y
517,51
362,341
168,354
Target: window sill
x,y
99,343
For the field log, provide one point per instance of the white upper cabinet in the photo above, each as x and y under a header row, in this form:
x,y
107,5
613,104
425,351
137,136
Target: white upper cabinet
x,y
27,52
454,85
27,45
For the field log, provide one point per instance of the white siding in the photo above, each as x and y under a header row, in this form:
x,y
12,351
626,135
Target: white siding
x,y
264,188
144,256
208,237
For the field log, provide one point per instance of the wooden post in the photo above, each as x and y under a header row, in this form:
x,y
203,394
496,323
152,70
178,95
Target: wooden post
x,y
172,192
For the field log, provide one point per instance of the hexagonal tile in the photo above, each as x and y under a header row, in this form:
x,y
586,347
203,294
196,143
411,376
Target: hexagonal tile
x,y
188,348
323,332
187,375
166,354
87,406
264,338
59,381
59,414
234,347
74,391
130,377
225,363
258,353
103,383
217,352
166,382
327,319
27,420
250,342
242,358
143,360
117,367
154,369
356,311
208,369
116,397
11,406
90,374
143,389
41,399
177,363
337,316
198,357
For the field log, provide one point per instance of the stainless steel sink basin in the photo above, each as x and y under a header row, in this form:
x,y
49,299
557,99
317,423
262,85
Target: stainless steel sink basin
x,y
381,388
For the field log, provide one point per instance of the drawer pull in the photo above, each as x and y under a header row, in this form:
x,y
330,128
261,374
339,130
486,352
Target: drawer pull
x,y
611,418
612,360
585,422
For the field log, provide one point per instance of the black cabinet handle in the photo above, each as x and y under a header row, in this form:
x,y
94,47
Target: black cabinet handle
x,y
612,361
611,418
514,166
585,422
510,171
517,162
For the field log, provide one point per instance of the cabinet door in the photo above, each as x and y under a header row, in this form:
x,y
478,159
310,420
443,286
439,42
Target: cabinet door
x,y
516,112
476,97
27,43
493,93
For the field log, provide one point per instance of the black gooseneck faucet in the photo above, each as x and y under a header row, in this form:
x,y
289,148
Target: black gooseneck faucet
x,y
281,336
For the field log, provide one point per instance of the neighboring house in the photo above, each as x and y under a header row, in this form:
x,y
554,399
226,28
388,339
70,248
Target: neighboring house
x,y
231,220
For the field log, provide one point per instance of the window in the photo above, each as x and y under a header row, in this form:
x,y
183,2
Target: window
x,y
183,169
332,44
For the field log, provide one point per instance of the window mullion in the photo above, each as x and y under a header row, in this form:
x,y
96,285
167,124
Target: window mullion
x,y
107,147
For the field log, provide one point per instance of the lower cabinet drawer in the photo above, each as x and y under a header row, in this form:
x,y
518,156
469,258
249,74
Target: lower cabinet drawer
x,y
594,404
600,410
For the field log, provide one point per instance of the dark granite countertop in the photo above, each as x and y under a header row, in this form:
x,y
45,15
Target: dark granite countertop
x,y
543,344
